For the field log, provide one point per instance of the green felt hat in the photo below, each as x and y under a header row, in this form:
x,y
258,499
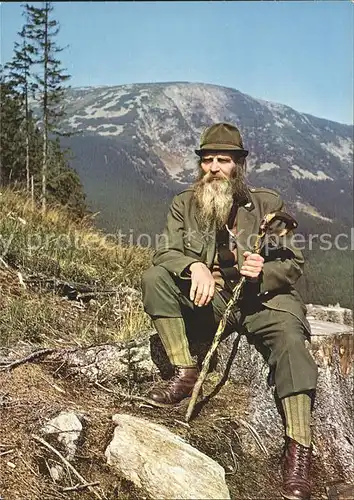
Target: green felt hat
x,y
221,137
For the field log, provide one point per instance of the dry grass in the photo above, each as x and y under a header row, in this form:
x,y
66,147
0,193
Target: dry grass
x,y
56,246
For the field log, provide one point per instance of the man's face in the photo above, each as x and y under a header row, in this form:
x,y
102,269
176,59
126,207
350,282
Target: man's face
x,y
217,166
221,180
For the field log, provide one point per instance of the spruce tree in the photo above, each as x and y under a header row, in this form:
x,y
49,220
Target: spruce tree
x,y
11,139
42,30
30,153
20,78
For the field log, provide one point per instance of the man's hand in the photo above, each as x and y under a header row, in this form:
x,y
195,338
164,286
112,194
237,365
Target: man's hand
x,y
203,284
252,265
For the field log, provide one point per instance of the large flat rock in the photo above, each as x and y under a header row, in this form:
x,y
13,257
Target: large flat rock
x,y
162,463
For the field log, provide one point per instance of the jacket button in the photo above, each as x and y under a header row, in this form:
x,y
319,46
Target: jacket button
x,y
188,244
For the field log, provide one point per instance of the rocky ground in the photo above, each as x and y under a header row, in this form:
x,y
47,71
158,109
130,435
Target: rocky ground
x,y
33,393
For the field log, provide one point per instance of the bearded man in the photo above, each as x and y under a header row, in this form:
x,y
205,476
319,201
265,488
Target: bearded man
x,y
205,249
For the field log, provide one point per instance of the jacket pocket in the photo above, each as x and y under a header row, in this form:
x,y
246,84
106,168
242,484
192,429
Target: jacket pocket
x,y
193,245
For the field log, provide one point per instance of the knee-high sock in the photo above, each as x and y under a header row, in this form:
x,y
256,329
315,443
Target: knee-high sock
x,y
297,409
172,333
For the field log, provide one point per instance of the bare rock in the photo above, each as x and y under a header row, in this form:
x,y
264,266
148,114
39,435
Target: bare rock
x,y
67,428
162,463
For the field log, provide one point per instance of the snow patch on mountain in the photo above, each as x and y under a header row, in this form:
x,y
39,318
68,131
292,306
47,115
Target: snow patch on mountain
x,y
279,112
74,121
173,163
251,161
343,149
95,112
300,173
289,124
266,166
106,105
111,130
309,209
274,107
150,123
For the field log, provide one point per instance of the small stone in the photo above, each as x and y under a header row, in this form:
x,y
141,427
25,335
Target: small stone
x,y
56,472
68,427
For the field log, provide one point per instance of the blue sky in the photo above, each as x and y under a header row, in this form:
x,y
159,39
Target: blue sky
x,y
298,53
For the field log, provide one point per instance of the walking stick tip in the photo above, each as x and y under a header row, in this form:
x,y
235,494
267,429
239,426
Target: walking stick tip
x,y
188,415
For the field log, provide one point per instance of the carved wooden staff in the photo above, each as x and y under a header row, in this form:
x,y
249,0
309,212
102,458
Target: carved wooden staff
x,y
268,219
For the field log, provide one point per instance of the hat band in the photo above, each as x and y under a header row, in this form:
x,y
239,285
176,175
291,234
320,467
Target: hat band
x,y
221,146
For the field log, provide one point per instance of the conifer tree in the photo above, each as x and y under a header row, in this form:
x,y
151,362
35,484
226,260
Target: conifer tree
x,y
30,152
20,78
42,30
11,143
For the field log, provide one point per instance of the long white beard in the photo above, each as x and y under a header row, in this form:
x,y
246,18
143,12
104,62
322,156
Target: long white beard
x,y
214,201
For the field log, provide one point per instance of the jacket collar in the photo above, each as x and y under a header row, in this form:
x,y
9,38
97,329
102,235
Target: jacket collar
x,y
247,202
246,226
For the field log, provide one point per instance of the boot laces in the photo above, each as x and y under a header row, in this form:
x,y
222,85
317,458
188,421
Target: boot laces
x,y
177,385
301,462
172,382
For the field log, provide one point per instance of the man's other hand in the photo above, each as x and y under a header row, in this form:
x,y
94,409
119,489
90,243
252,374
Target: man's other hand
x,y
252,265
202,285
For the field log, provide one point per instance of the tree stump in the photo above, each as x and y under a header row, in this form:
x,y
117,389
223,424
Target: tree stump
x,y
332,347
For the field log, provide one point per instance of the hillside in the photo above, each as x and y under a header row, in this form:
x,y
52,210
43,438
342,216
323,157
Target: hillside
x,y
48,260
72,331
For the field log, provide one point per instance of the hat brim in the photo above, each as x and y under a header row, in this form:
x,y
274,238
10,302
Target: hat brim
x,y
221,147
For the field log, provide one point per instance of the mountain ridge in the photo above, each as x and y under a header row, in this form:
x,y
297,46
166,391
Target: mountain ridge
x,y
226,87
148,132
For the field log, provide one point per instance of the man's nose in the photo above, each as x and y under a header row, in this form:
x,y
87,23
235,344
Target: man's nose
x,y
215,167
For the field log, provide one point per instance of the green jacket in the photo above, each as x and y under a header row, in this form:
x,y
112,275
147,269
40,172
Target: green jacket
x,y
183,243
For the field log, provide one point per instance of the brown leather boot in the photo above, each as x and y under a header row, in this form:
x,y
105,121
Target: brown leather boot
x,y
179,387
296,466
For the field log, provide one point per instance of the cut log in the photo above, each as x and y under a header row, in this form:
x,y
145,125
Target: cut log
x,y
114,363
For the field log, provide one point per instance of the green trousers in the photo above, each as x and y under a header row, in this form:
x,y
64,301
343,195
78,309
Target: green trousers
x,y
280,334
